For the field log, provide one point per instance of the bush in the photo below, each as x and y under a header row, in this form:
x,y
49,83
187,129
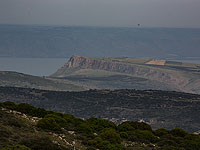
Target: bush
x,y
91,148
108,146
140,125
5,132
192,145
178,132
161,132
146,135
124,127
132,136
96,142
165,142
111,136
69,118
124,135
39,112
48,124
1,104
77,122
40,143
84,129
25,108
16,147
169,147
9,105
192,137
58,119
99,124
17,122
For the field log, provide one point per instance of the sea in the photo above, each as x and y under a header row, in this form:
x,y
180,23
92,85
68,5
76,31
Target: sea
x,y
32,66
42,66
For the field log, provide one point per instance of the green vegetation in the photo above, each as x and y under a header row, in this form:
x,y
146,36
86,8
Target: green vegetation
x,y
48,132
16,147
118,104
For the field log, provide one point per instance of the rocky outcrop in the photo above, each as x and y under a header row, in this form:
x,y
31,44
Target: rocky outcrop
x,y
139,70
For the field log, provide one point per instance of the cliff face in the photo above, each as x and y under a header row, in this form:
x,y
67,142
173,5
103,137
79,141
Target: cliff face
x,y
139,70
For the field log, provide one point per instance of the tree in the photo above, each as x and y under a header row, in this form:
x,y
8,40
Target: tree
x,y
178,132
48,124
111,136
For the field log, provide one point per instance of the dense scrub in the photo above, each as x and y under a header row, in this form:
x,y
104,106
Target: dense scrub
x,y
94,133
163,109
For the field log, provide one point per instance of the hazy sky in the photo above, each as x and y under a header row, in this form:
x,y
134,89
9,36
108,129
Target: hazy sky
x,y
153,13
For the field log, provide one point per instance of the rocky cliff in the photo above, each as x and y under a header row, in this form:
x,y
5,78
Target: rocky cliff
x,y
146,71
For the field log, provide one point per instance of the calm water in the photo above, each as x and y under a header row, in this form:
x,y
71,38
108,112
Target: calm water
x,y
33,66
41,66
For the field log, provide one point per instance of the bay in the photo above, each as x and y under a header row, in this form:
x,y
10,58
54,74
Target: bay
x,y
32,66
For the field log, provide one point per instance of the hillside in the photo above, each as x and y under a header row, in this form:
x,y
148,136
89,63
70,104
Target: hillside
x,y
15,79
118,73
64,41
24,127
161,109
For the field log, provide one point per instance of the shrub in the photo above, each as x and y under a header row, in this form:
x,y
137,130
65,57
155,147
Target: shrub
x,y
111,136
123,135
5,132
192,137
39,112
9,105
25,108
140,125
124,127
1,104
17,122
16,147
84,128
132,136
108,146
91,148
192,145
58,119
40,143
96,142
77,121
69,118
164,142
169,147
146,135
48,124
100,124
178,132
161,132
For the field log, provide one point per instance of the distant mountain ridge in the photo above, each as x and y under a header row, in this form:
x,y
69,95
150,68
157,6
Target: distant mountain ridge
x,y
174,75
54,41
15,79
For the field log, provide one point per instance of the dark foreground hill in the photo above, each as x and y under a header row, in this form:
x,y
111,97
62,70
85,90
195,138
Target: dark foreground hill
x,y
24,127
161,109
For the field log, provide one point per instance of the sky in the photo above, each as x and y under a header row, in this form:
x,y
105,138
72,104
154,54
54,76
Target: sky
x,y
119,13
